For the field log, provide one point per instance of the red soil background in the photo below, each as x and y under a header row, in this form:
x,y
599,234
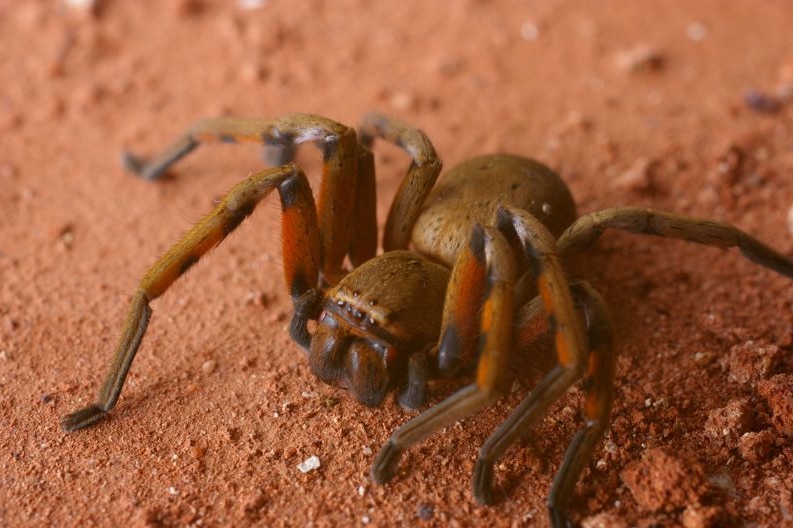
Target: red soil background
x,y
677,105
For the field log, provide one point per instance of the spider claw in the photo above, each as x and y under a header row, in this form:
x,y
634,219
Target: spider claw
x,y
483,482
385,463
413,396
135,164
558,518
82,418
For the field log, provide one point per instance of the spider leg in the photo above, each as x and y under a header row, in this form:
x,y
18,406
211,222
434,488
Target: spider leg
x,y
300,255
587,229
363,227
414,394
571,347
307,308
336,198
496,274
462,309
599,383
424,169
600,387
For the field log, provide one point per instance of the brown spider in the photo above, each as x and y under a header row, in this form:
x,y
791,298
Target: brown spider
x,y
485,264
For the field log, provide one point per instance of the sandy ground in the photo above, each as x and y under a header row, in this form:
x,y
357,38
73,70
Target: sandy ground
x,y
677,105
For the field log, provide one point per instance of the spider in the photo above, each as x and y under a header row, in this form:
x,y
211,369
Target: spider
x,y
467,267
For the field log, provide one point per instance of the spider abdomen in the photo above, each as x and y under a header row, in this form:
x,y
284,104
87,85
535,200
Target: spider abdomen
x,y
471,192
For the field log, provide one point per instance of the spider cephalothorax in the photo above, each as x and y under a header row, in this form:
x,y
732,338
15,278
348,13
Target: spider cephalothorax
x,y
371,325
466,268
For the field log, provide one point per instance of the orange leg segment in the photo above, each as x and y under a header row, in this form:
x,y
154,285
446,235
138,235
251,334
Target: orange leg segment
x,y
466,290
599,383
539,248
496,309
301,266
571,346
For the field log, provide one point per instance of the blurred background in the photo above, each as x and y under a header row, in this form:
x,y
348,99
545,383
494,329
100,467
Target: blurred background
x,y
675,105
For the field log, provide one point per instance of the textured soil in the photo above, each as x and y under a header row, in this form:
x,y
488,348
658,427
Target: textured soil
x,y
676,105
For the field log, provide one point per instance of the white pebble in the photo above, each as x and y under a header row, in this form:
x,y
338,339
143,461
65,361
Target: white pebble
x,y
80,4
402,101
251,4
208,367
309,464
696,31
529,31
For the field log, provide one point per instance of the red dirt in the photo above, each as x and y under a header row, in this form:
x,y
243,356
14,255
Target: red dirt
x,y
678,105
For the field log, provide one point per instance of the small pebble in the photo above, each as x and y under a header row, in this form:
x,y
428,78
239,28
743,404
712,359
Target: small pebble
x,y
309,464
696,31
755,447
529,31
208,367
249,5
726,424
777,392
253,72
64,235
662,480
698,516
604,520
639,59
85,5
638,177
751,361
402,101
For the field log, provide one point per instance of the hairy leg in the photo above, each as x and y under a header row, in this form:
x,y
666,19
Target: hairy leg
x,y
301,266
